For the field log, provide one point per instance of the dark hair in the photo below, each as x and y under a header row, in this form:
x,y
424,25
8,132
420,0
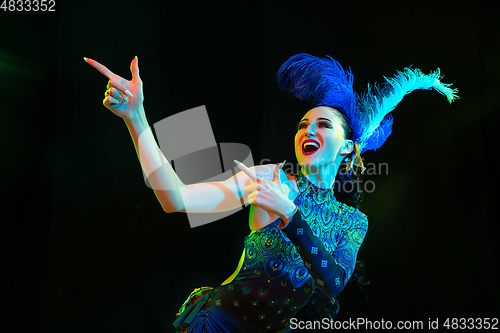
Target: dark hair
x,y
347,173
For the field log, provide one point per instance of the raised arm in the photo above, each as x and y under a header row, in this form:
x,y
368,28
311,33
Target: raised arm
x,y
125,99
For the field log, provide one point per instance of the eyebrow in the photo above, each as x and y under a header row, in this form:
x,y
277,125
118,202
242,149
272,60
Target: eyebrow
x,y
319,118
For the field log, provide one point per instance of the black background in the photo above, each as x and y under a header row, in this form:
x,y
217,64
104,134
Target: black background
x,y
89,249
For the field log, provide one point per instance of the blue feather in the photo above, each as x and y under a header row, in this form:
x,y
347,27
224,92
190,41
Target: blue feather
x,y
377,102
323,82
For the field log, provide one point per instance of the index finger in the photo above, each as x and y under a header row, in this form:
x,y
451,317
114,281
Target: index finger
x,y
101,68
277,172
247,171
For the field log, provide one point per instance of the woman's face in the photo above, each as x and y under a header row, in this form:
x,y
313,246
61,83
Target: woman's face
x,y
320,138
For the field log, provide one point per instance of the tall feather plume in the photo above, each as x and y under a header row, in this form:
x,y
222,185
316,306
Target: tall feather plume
x,y
322,82
375,105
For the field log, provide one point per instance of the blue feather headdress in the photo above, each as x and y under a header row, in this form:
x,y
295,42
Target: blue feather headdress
x,y
323,82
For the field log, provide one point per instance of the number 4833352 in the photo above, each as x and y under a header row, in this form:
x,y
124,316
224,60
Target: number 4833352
x,y
28,5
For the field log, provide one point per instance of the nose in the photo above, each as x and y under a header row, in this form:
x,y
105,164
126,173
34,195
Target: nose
x,y
311,130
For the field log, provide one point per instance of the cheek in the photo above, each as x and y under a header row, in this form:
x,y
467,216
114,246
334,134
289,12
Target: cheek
x,y
297,141
335,143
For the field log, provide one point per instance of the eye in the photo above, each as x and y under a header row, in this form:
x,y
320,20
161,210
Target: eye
x,y
325,123
301,125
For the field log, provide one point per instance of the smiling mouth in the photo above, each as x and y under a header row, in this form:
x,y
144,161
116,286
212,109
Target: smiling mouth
x,y
309,147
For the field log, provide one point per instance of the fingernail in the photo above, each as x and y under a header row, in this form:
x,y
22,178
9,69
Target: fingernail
x,y
125,98
283,163
85,58
237,162
128,93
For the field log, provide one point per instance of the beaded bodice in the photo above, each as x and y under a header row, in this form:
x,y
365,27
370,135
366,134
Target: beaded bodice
x,y
273,283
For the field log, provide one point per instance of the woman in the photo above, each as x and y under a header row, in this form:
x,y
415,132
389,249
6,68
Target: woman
x,y
302,239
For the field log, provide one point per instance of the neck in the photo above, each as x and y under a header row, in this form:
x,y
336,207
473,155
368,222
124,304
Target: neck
x,y
323,176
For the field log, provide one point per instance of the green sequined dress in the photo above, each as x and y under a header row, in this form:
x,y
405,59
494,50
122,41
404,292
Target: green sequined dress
x,y
274,282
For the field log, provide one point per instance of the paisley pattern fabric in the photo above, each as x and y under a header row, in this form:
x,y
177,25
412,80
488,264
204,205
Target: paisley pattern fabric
x,y
273,283
340,228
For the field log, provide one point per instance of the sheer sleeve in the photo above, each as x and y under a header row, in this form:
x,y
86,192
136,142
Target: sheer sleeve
x,y
331,271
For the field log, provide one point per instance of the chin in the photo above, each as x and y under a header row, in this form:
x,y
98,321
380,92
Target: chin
x,y
312,164
309,163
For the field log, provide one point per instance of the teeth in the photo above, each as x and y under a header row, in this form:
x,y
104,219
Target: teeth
x,y
311,143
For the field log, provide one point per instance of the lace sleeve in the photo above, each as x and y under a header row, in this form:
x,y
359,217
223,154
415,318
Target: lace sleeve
x,y
331,272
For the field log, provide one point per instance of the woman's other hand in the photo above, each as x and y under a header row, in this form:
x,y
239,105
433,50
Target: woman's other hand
x,y
268,195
